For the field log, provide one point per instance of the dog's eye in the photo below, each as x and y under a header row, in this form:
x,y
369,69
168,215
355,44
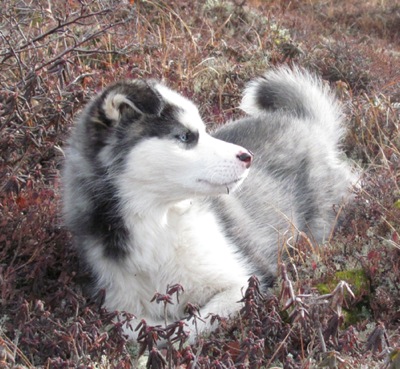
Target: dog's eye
x,y
185,137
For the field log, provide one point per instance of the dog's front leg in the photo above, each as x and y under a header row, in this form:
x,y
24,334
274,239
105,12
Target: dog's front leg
x,y
225,304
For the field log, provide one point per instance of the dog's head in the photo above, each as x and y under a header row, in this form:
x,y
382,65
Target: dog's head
x,y
154,140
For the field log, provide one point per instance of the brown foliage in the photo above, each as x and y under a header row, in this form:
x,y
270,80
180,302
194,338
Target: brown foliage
x,y
55,55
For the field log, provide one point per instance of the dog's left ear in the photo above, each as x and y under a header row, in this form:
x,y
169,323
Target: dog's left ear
x,y
123,102
134,97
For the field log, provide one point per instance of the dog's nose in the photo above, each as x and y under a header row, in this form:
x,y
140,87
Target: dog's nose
x,y
245,157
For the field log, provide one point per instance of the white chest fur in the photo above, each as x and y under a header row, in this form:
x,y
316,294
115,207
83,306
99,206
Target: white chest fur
x,y
182,244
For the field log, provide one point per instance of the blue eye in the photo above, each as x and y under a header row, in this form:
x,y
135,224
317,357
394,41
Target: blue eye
x,y
185,136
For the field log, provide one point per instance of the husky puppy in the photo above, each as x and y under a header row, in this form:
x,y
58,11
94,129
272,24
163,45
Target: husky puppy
x,y
152,199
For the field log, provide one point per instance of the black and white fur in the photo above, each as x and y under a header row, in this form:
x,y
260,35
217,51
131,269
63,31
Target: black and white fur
x,y
153,200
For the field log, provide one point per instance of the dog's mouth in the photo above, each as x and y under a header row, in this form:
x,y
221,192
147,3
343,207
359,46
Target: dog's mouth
x,y
227,185
220,183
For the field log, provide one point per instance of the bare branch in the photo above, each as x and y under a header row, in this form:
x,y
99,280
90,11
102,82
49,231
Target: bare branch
x,y
73,48
7,54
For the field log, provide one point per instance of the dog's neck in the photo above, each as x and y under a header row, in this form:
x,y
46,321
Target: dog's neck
x,y
155,216
156,232
150,210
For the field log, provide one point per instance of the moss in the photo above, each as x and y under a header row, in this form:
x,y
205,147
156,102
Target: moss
x,y
356,314
323,288
356,278
356,309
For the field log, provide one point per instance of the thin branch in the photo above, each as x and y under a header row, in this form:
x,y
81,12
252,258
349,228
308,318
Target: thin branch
x,y
60,25
73,48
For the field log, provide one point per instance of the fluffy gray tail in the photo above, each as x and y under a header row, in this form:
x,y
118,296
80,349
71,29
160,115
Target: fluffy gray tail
x,y
293,92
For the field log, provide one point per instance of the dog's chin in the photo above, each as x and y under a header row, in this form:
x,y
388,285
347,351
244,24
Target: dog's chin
x,y
218,188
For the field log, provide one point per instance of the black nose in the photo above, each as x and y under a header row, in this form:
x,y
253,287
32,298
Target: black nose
x,y
245,157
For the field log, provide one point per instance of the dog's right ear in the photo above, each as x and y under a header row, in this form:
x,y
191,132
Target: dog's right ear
x,y
135,98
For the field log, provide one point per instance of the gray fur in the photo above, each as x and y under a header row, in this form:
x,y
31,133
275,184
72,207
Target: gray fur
x,y
141,225
299,173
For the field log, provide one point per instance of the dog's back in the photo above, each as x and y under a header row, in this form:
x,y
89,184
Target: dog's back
x,y
299,173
